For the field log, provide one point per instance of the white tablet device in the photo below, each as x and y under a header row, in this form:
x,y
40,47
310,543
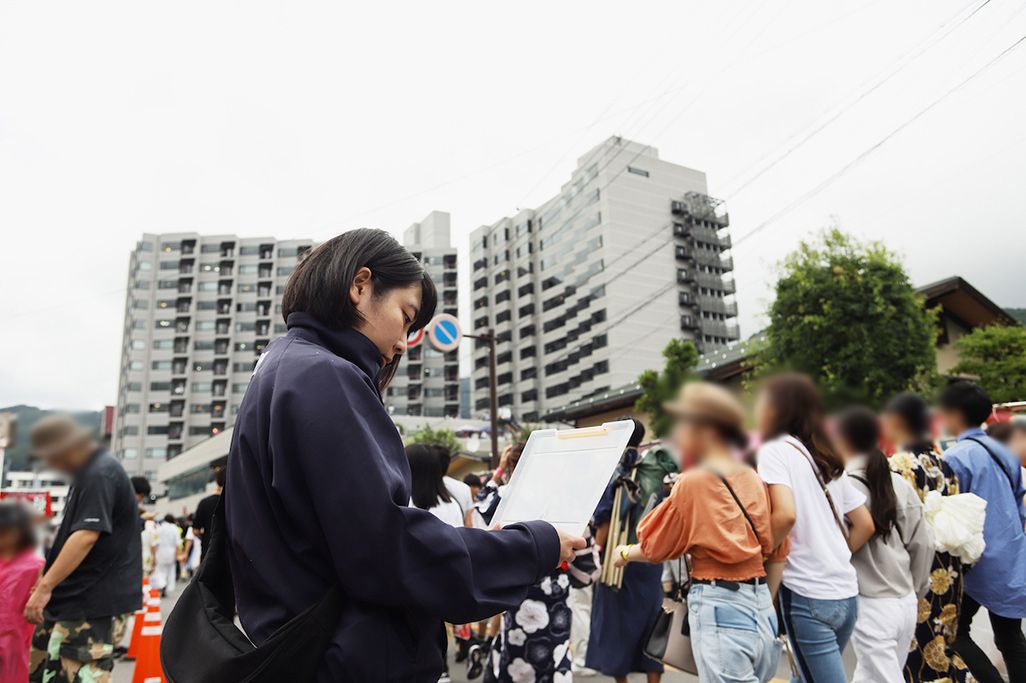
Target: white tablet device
x,y
562,474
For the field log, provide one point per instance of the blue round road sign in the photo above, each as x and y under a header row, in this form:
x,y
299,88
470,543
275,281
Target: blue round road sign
x,y
444,332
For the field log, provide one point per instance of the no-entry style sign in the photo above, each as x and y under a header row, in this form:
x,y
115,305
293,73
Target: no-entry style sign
x,y
444,332
415,339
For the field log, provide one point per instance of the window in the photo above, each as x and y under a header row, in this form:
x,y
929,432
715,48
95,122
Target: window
x,y
156,430
285,270
160,386
156,453
201,386
136,365
163,344
129,453
239,388
161,365
637,171
145,265
138,344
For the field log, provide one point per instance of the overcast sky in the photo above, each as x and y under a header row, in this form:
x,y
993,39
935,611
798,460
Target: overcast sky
x,y
306,119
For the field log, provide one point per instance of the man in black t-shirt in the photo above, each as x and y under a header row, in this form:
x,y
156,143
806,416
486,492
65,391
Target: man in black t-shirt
x,y
93,577
205,513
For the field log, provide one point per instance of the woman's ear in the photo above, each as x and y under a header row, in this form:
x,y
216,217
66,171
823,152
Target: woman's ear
x,y
361,287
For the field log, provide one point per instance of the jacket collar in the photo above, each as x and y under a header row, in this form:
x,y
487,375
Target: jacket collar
x,y
349,344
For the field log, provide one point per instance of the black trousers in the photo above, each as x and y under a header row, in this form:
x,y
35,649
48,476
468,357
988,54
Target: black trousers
x,y
1008,637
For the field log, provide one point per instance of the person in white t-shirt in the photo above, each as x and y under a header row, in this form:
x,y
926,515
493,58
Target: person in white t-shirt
x,y
815,503
459,491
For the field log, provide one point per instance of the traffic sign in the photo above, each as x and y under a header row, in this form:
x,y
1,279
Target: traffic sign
x,y
415,339
444,332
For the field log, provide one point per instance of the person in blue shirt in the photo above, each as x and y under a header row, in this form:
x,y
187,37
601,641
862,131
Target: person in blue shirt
x,y
997,581
318,483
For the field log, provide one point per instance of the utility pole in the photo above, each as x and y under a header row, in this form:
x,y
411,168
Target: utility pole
x,y
493,399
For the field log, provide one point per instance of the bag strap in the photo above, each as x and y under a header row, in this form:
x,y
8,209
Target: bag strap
x,y
739,504
997,461
823,487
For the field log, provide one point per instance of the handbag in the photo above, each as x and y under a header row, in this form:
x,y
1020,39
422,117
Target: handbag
x,y
201,644
669,639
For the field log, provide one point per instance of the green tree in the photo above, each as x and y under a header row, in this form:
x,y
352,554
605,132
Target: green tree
x,y
997,356
659,387
846,313
445,437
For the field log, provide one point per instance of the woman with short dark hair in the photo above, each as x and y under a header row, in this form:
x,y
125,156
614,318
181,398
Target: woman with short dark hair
x,y
318,487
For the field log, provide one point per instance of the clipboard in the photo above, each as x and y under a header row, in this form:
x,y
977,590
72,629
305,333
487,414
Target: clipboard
x,y
562,474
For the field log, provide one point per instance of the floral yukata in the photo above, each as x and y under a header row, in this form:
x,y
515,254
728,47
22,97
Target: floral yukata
x,y
931,657
534,644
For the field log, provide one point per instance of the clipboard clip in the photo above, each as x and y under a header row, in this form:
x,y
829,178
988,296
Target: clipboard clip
x,y
582,433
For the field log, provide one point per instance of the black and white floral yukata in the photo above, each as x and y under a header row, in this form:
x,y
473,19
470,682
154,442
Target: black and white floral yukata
x,y
534,644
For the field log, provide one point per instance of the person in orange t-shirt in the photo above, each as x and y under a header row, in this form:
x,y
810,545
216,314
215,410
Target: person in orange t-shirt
x,y
718,513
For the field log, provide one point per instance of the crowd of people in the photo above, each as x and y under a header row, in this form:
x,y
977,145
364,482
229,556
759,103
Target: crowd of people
x,y
815,534
805,528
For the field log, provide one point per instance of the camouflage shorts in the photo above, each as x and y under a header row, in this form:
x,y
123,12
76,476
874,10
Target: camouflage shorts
x,y
75,651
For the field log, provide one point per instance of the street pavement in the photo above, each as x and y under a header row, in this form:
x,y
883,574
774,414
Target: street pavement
x,y
981,631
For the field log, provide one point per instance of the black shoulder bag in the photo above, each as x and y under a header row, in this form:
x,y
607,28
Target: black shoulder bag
x,y
201,644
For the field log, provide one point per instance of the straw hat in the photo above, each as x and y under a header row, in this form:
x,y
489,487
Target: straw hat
x,y
710,404
55,434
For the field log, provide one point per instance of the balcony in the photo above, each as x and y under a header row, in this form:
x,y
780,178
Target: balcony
x,y
688,323
715,304
724,283
685,276
686,299
682,253
719,328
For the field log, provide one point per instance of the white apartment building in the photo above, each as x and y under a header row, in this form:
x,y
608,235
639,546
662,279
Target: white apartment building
x,y
198,313
585,291
427,382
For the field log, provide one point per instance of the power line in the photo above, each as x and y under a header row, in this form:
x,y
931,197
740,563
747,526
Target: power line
x,y
930,42
881,142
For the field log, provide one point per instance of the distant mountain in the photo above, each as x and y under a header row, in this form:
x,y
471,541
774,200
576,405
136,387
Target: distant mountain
x,y
1018,313
17,457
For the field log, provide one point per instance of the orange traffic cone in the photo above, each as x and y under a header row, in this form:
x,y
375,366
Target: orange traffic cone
x,y
148,616
147,666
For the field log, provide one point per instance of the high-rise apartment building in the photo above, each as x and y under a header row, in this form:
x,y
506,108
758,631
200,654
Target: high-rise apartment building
x,y
199,310
427,382
585,291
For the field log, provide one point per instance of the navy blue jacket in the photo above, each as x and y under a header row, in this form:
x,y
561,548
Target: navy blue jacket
x,y
317,493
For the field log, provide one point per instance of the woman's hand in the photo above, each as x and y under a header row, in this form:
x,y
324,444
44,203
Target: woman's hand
x,y
620,555
569,543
